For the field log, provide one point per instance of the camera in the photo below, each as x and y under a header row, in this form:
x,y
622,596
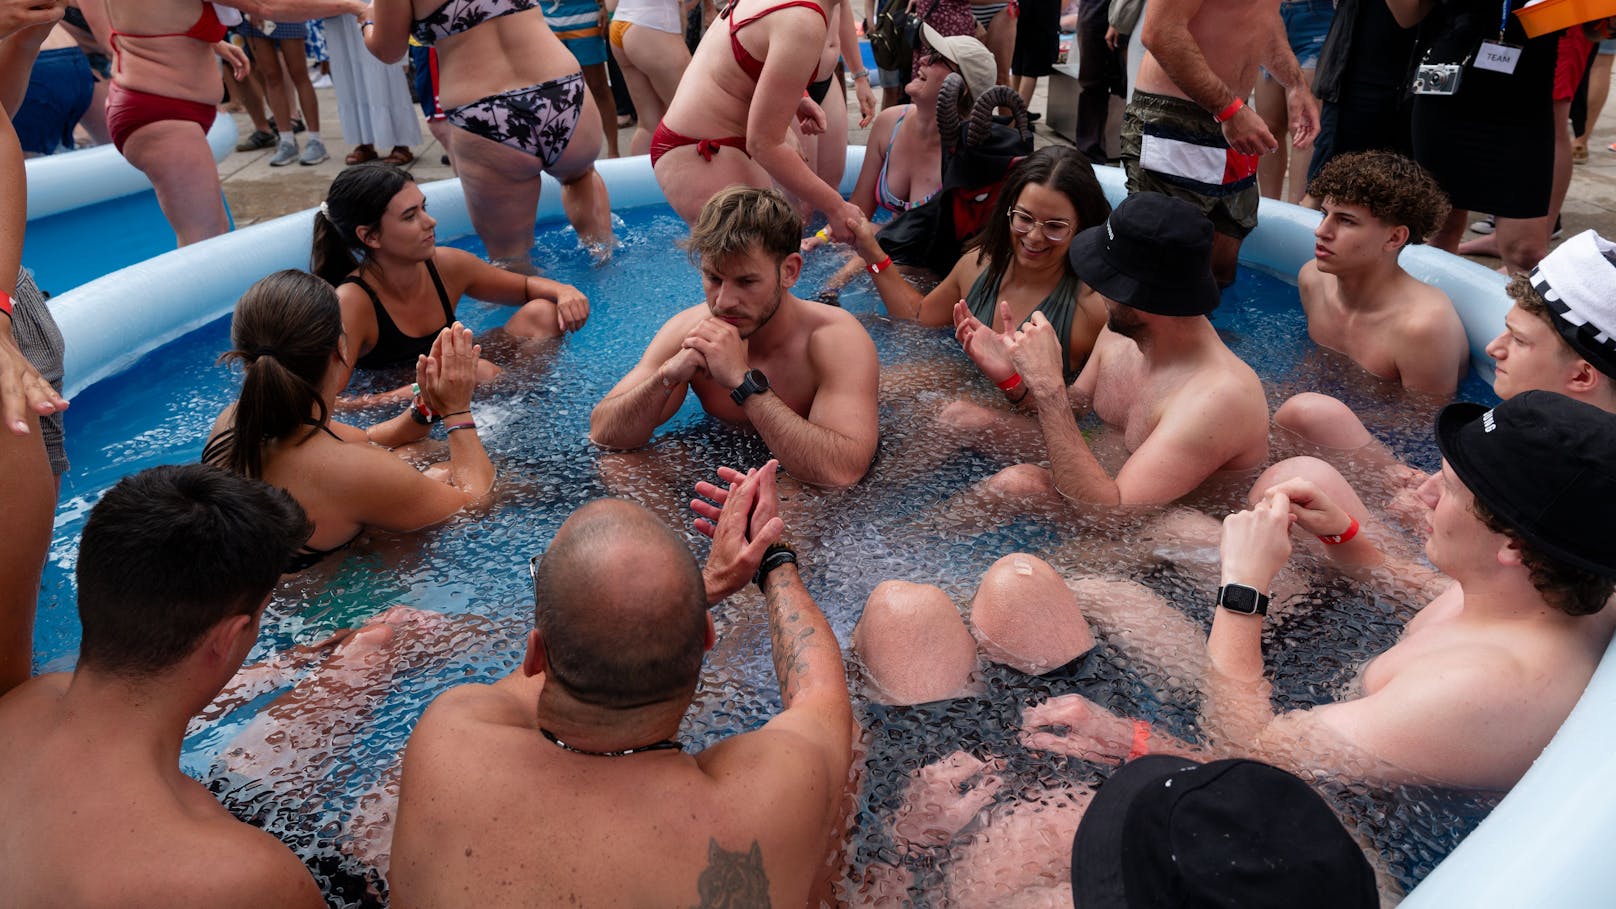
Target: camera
x,y
1437,78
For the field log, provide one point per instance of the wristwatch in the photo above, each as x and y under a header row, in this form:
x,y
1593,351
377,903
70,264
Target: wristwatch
x,y
754,382
777,554
1243,599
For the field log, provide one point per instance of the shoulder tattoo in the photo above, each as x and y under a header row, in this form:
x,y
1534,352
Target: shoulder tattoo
x,y
733,880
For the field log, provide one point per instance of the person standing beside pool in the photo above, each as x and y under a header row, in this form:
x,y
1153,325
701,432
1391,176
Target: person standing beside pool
x,y
287,333
175,568
728,122
517,100
1359,300
375,242
1187,407
1188,131
567,779
801,373
165,94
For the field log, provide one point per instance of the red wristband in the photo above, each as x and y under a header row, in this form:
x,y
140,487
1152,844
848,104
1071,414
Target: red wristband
x,y
876,268
5,302
1012,383
1141,735
1345,535
1224,115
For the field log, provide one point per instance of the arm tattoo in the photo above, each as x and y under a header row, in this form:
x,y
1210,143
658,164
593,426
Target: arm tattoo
x,y
791,635
733,879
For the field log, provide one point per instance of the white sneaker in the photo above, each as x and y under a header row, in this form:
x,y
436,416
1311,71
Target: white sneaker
x,y
1485,226
285,153
313,152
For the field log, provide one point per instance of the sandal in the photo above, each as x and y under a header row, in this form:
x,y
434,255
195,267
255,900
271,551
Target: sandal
x,y
399,156
361,154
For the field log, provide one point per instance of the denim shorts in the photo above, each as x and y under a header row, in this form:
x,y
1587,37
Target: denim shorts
x,y
1306,24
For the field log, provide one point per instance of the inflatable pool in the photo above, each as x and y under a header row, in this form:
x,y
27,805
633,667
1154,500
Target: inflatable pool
x,y
111,322
96,193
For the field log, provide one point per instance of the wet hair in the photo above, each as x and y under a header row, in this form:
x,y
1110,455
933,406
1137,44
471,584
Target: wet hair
x,y
621,606
1396,191
170,552
741,219
1062,169
1568,588
358,197
283,333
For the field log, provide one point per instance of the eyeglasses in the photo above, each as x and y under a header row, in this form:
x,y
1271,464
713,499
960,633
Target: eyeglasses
x,y
1055,230
932,55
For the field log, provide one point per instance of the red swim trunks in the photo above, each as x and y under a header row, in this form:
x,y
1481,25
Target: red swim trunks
x,y
665,140
129,110
1572,62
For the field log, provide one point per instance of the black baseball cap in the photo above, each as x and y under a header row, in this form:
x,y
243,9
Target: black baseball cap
x,y
1546,466
1165,831
1154,253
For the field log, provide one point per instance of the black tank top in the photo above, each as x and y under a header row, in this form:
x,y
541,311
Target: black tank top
x,y
217,453
394,347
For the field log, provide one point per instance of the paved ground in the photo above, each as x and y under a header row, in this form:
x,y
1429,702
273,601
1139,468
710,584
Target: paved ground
x,y
257,191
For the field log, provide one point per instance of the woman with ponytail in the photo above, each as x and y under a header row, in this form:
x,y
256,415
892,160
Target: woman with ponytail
x,y
287,334
375,243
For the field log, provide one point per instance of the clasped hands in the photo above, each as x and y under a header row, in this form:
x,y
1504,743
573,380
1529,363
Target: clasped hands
x,y
714,347
1256,542
742,518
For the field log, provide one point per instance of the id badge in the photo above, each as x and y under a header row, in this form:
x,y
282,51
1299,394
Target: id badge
x,y
1498,57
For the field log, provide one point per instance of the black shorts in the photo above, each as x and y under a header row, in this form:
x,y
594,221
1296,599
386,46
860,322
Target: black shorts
x,y
1037,38
1351,126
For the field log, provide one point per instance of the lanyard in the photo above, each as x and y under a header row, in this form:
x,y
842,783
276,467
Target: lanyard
x,y
1503,21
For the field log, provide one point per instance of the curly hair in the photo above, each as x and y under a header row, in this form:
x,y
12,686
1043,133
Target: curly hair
x,y
1521,291
1568,588
1393,188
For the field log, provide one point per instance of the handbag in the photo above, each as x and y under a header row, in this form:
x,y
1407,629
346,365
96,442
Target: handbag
x,y
896,33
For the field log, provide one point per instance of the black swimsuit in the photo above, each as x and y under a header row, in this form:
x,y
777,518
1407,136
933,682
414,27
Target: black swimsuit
x,y
394,347
216,453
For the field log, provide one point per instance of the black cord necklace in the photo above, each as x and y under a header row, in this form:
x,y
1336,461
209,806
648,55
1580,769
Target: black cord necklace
x,y
664,745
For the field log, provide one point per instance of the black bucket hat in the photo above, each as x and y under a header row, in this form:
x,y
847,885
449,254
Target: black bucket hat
x,y
1154,253
1164,831
1546,466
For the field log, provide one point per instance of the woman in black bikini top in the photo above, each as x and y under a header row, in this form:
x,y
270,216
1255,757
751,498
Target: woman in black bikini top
x,y
375,242
287,334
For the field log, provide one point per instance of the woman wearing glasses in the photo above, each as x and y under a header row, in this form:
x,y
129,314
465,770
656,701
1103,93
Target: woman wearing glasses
x,y
1016,266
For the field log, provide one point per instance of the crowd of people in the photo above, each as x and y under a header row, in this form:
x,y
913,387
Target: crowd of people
x,y
1068,305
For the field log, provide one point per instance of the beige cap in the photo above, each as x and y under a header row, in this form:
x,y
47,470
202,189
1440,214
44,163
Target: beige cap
x,y
1027,618
914,645
973,58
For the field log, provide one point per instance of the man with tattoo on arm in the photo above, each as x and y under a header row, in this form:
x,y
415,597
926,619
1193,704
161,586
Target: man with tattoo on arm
x,y
581,740
1188,131
801,373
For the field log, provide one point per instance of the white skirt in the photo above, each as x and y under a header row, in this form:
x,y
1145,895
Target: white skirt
x,y
373,98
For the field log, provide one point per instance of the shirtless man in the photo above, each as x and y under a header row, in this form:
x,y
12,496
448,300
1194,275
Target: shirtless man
x,y
175,568
583,737
1508,644
1558,336
729,120
801,373
1186,405
1188,132
1359,301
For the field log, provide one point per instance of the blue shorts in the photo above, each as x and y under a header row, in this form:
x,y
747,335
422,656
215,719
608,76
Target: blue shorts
x,y
888,78
1608,46
1306,24
59,92
282,31
577,24
424,61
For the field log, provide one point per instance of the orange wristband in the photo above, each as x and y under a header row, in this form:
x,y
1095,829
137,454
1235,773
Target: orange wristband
x,y
1224,115
1345,535
1141,735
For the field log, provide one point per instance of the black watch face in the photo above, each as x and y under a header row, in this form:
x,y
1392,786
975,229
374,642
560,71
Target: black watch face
x,y
1240,598
757,380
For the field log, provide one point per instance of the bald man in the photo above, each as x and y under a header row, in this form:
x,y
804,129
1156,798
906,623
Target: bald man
x,y
581,739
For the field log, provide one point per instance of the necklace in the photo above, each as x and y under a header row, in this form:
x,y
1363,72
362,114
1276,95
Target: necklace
x,y
664,745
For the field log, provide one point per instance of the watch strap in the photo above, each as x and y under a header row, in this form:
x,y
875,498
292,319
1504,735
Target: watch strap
x,y
1243,595
777,554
